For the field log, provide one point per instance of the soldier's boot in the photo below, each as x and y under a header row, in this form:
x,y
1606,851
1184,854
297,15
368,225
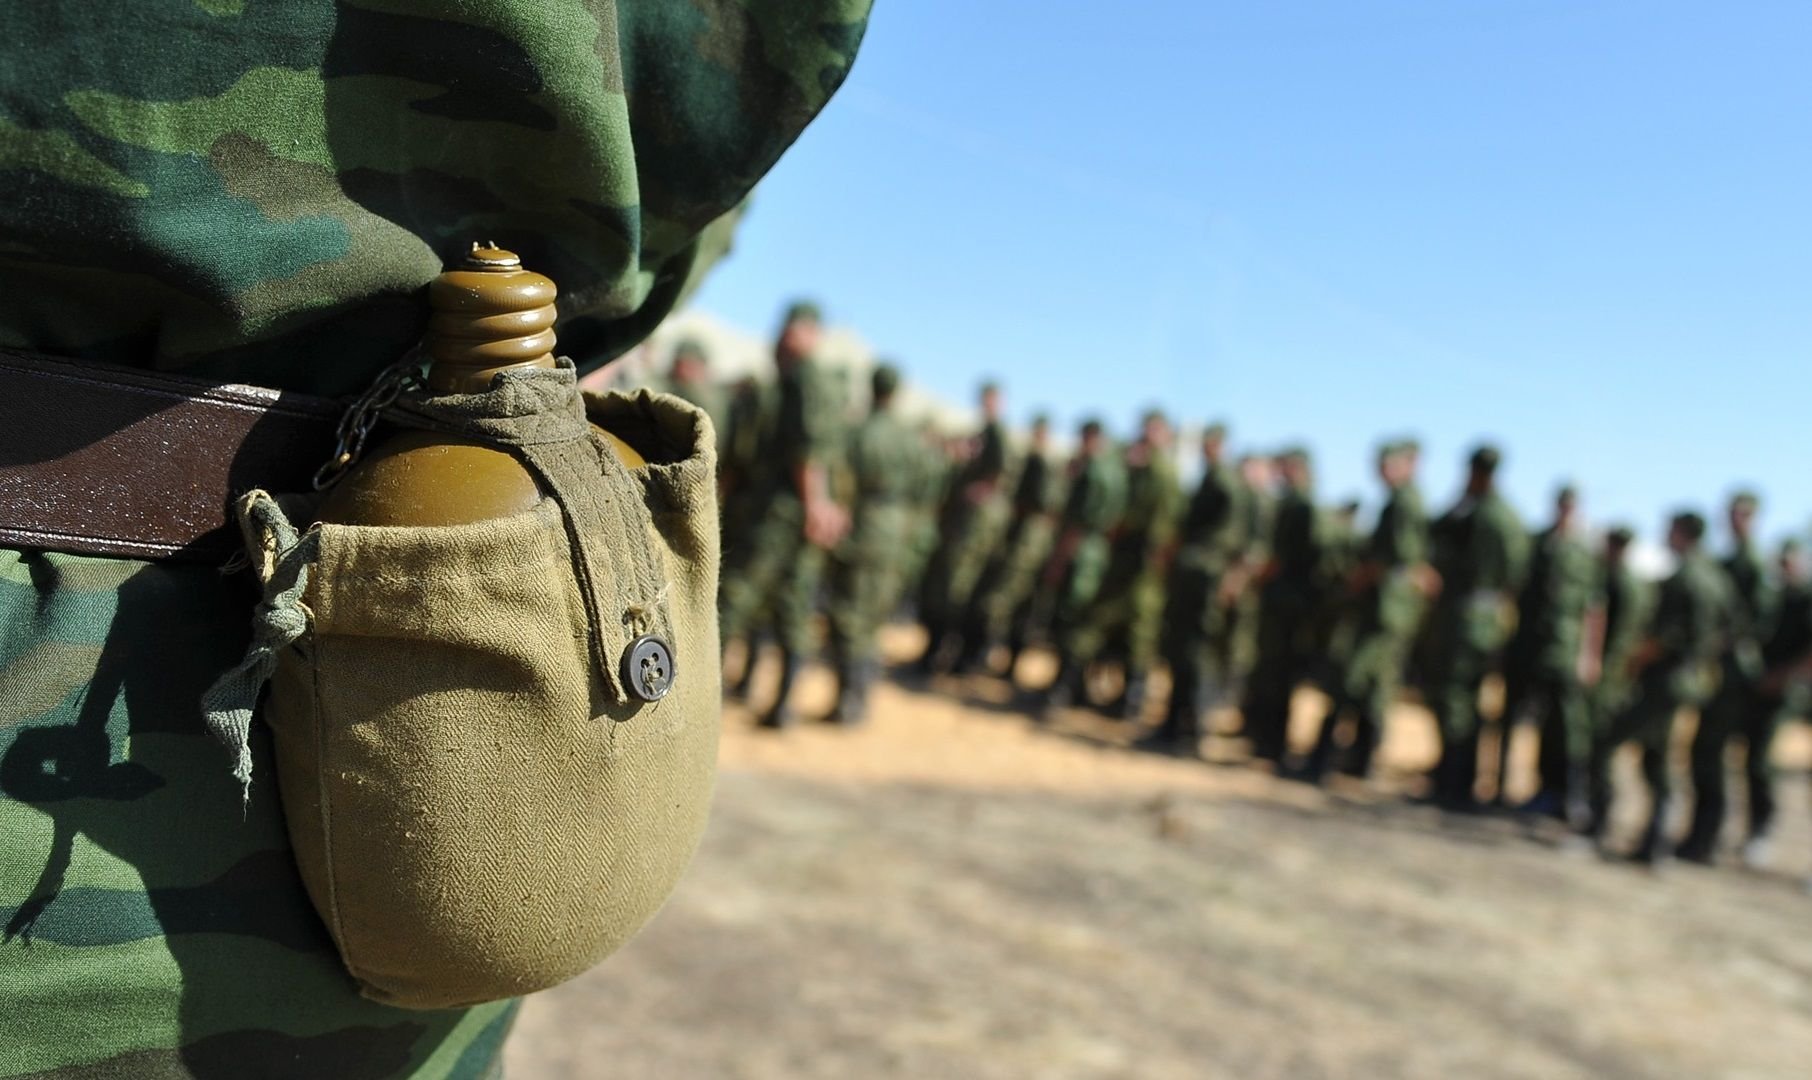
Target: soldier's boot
x,y
1701,843
1131,704
1581,815
1456,774
1654,848
1366,731
848,692
780,714
751,654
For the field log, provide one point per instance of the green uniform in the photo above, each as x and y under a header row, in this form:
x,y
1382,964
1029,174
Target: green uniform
x,y
1128,608
1686,628
1385,616
1625,606
711,397
1541,665
1738,709
1236,646
1286,642
1003,601
932,476
772,569
1211,540
259,192
1096,499
866,577
974,516
1479,549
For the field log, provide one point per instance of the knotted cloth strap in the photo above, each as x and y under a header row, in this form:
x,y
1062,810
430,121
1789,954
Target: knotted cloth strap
x,y
539,414
281,558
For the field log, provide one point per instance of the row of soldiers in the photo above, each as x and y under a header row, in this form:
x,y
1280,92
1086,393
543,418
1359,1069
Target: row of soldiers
x,y
1248,589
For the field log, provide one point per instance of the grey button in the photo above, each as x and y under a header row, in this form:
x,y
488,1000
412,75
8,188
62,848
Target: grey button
x,y
648,668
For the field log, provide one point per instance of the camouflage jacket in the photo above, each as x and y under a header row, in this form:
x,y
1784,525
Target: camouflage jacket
x,y
1213,533
1551,608
259,190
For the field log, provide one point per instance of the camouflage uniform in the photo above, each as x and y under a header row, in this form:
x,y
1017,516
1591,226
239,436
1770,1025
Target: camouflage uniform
x,y
1127,612
1210,542
866,572
1480,551
774,572
259,192
1091,510
1287,599
1623,605
1682,639
974,515
1739,708
1386,613
1541,665
1003,602
1236,646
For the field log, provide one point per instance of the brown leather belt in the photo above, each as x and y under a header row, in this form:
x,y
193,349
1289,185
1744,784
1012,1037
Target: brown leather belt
x,y
101,460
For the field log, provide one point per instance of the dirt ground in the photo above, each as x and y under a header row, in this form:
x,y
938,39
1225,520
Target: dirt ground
x,y
953,892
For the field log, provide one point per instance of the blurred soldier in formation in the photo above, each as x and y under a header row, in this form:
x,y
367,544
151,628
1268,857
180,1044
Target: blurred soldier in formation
x,y
779,565
1211,545
1479,552
1091,510
1127,615
974,514
1237,644
1389,585
866,573
1616,621
1672,667
1542,664
1002,607
1289,591
1787,660
689,378
1737,708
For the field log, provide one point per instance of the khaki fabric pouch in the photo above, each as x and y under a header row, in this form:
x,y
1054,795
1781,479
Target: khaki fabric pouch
x,y
479,806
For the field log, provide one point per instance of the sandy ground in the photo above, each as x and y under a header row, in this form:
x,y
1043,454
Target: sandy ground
x,y
952,892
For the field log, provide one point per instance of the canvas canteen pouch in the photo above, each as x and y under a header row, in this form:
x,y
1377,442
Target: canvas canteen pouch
x,y
494,761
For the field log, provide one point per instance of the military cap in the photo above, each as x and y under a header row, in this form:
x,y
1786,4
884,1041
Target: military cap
x,y
1621,535
1691,522
804,311
1409,444
1567,492
1389,448
693,348
1092,426
885,380
1298,454
1041,420
1485,458
1153,416
989,386
1216,430
1745,498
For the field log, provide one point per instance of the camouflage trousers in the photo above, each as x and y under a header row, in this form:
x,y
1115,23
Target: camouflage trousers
x,y
1740,710
1126,617
1648,721
1286,656
969,538
867,575
1195,628
773,571
1552,696
1003,595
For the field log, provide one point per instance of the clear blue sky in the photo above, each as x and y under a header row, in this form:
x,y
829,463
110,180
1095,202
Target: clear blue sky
x,y
1580,228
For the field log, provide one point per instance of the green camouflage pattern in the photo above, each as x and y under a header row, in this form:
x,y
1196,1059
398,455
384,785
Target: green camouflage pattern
x,y
1002,606
259,190
868,569
975,517
1127,613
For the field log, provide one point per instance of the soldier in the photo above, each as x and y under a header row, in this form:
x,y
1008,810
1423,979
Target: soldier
x,y
1128,608
1211,547
974,514
1001,608
1091,510
1737,709
1542,665
779,567
1787,663
1479,553
1672,668
1389,585
865,578
689,378
1615,625
271,189
1289,590
1237,645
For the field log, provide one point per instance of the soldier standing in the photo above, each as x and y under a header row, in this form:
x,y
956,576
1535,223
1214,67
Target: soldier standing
x,y
1615,626
1002,607
1542,665
1237,644
1211,545
1389,586
1787,661
1737,709
689,378
1478,550
1672,668
1289,589
974,514
780,565
1128,608
1096,499
866,575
